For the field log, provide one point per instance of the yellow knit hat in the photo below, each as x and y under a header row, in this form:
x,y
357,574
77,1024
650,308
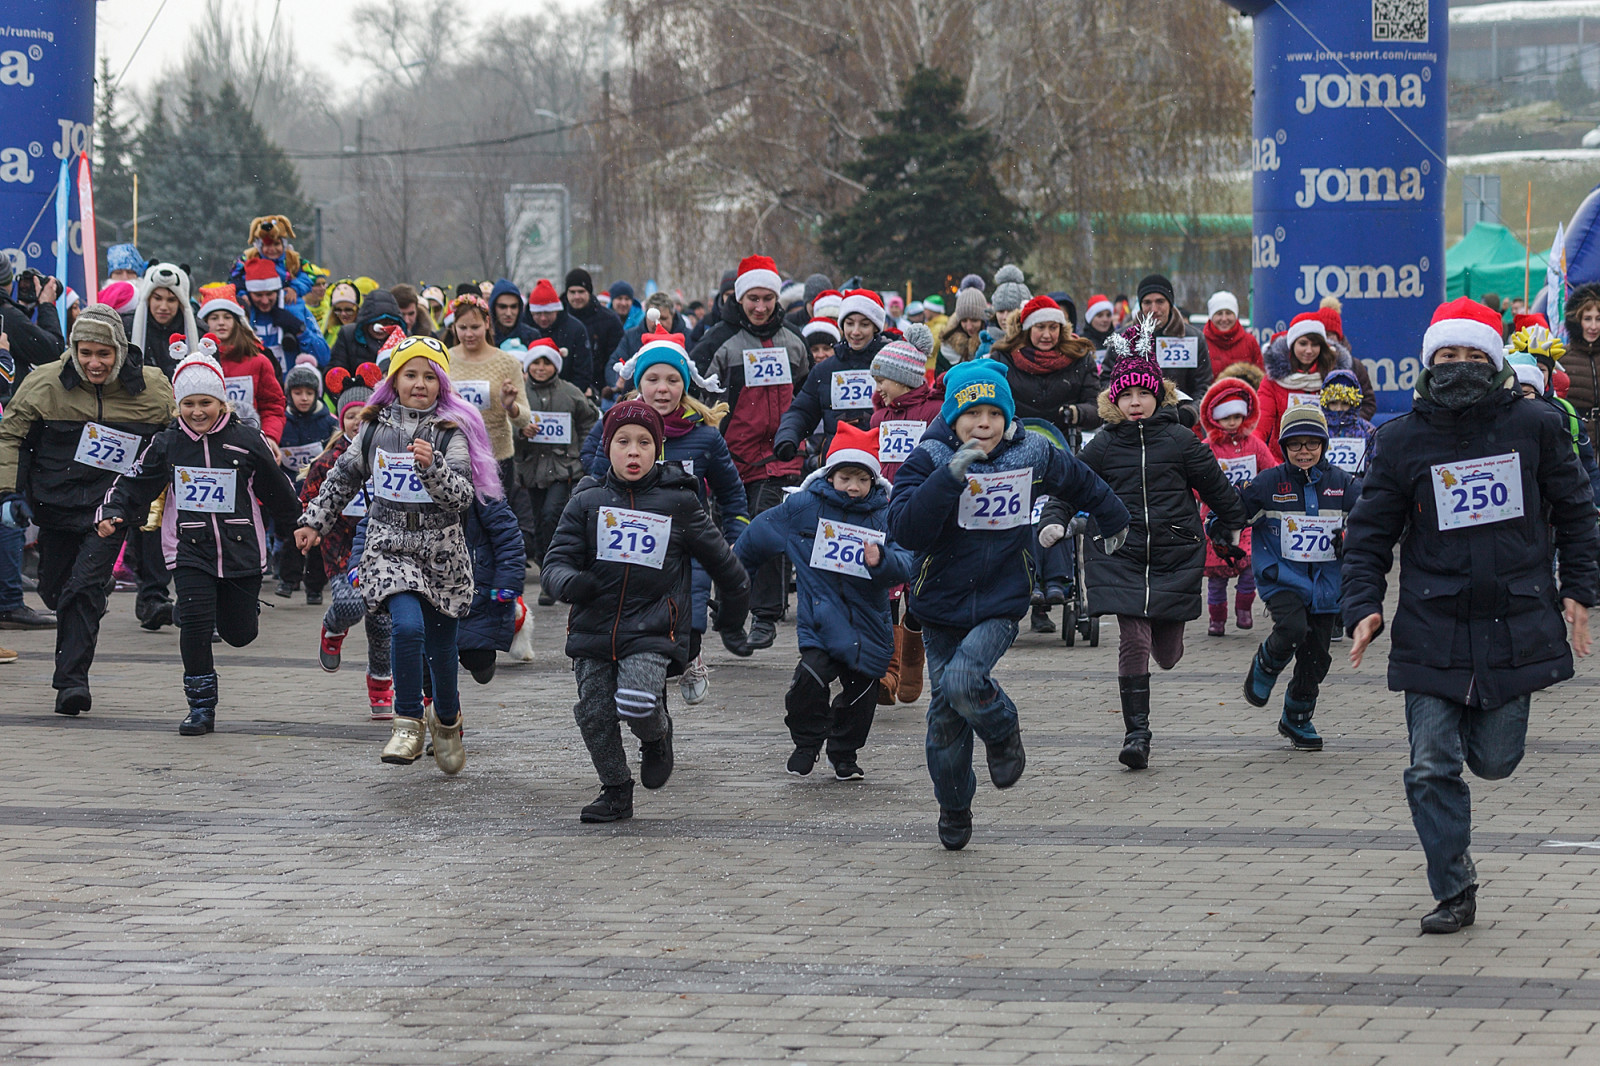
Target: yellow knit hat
x,y
426,347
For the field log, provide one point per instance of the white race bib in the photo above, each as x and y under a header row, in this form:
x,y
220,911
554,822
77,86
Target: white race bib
x,y
841,547
550,427
394,477
1303,399
108,449
1038,508
1240,471
477,393
850,390
999,500
241,390
1308,538
300,456
1346,453
768,366
201,488
637,537
1177,353
897,439
357,507
1476,492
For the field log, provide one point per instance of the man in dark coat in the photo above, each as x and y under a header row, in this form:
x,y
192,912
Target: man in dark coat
x,y
1471,484
600,323
1190,371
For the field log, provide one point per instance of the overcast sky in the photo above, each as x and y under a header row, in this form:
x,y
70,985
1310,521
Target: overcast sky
x,y
315,26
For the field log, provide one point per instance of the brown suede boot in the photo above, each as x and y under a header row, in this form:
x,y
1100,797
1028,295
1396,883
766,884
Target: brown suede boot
x,y
911,663
889,683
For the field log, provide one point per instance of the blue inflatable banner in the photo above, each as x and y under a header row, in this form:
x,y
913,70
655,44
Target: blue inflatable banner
x,y
1348,157
46,116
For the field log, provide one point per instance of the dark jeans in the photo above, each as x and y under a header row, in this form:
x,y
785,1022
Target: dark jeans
x,y
769,594
538,511
294,567
420,630
230,605
74,578
1298,633
965,700
145,558
11,542
844,723
1444,735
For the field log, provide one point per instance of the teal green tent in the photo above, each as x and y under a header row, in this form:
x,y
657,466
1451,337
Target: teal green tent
x,y
1490,259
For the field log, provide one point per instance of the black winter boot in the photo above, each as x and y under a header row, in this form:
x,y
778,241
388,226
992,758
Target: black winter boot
x,y
614,803
655,758
1136,720
201,690
955,828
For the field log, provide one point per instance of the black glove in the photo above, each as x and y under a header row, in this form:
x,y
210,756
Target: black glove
x,y
14,511
736,642
584,585
1338,544
1222,542
1069,414
784,450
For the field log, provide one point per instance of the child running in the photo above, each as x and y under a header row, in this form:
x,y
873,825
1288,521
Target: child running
x,y
1152,584
217,468
620,556
549,452
1228,415
1349,435
308,429
351,392
1298,512
963,502
427,453
833,532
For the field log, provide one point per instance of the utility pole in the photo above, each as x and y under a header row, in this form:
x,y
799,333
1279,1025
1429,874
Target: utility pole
x,y
602,190
361,201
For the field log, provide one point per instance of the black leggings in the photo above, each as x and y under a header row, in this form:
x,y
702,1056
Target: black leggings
x,y
206,602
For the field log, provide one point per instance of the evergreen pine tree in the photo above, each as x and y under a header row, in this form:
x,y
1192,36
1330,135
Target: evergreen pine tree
x,y
932,208
113,166
204,175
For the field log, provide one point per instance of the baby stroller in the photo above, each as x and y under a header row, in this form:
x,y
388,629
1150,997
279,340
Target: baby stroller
x,y
1059,570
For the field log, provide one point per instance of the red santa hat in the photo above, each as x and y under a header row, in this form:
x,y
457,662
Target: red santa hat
x,y
1465,323
543,298
825,326
261,275
756,272
863,302
1307,325
1521,322
219,298
852,447
543,348
827,303
1042,309
1097,303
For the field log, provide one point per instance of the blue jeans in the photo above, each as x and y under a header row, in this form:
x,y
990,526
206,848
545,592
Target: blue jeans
x,y
11,541
964,700
419,629
1444,734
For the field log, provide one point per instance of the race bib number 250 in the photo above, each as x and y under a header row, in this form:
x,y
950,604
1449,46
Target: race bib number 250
x,y
1476,492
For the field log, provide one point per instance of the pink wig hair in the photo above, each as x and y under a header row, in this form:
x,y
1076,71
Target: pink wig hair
x,y
485,470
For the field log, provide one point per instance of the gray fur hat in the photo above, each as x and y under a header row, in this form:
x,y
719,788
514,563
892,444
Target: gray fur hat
x,y
1010,295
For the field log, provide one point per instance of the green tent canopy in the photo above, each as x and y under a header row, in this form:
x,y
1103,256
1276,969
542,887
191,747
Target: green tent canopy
x,y
1490,259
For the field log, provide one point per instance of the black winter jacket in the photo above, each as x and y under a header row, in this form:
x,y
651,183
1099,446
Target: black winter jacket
x,y
577,366
604,330
813,397
1479,617
232,543
640,608
1044,395
354,344
1155,466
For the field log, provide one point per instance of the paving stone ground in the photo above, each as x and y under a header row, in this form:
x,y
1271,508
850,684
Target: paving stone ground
x,y
274,894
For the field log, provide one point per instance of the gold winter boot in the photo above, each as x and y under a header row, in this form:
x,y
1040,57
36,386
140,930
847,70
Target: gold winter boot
x,y
405,743
448,751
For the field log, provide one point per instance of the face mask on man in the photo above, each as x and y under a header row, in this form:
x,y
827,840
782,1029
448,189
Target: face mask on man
x,y
1460,385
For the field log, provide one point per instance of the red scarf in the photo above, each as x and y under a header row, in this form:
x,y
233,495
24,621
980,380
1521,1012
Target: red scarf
x,y
1031,361
678,423
1216,338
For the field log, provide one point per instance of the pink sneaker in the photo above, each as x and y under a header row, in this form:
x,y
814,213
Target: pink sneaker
x,y
380,696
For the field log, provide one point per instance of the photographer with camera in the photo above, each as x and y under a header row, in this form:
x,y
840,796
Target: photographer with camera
x,y
28,317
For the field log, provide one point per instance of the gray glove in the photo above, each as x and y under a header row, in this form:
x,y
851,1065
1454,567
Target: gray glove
x,y
965,456
1115,541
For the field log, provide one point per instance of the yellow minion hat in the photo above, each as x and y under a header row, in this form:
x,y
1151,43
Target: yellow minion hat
x,y
426,347
366,285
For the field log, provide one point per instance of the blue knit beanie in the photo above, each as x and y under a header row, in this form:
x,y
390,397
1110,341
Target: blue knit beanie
x,y
980,381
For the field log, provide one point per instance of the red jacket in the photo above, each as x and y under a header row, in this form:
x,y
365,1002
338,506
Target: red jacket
x,y
265,392
1238,345
921,404
1229,448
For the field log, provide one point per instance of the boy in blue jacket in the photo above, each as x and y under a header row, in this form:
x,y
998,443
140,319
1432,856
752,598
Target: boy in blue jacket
x,y
833,531
963,503
1297,510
